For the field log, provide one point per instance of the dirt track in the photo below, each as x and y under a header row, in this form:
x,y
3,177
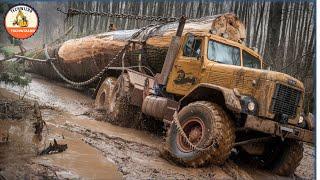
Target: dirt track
x,y
99,150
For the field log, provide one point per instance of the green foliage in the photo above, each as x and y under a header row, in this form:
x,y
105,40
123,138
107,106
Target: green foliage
x,y
14,73
9,51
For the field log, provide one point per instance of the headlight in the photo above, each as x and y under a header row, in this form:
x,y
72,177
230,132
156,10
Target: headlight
x,y
300,119
251,106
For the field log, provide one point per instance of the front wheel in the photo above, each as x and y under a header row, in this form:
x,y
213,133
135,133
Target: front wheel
x,y
203,123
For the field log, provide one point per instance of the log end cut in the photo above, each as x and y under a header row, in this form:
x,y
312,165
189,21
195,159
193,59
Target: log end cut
x,y
230,24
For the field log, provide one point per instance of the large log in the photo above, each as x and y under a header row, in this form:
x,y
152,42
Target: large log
x,y
79,59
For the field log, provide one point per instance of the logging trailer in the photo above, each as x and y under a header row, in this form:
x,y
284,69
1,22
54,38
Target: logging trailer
x,y
214,95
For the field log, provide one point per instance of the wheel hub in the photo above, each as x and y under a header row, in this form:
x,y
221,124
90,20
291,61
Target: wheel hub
x,y
194,129
195,135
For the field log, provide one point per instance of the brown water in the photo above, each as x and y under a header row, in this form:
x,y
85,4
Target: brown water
x,y
80,158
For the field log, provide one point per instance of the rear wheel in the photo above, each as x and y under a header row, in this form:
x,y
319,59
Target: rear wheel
x,y
104,93
203,123
119,110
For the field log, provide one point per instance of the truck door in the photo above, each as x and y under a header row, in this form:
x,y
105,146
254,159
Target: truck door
x,y
185,71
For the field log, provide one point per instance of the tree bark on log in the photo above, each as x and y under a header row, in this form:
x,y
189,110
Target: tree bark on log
x,y
80,59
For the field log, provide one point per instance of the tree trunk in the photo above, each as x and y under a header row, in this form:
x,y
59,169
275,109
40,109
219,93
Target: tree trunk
x,y
80,59
273,31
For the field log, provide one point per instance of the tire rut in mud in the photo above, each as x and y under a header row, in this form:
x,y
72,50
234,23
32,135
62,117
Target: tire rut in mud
x,y
137,160
139,122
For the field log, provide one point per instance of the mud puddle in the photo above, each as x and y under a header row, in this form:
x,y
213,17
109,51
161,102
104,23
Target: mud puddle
x,y
80,159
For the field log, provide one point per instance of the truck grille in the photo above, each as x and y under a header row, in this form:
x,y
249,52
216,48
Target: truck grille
x,y
285,100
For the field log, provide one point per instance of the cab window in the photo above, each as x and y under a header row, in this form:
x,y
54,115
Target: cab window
x,y
250,61
223,53
192,47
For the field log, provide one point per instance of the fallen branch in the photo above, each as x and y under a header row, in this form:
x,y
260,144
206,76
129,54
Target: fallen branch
x,y
54,148
25,58
32,59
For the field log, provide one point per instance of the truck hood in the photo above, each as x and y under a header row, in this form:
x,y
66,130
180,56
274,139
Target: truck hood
x,y
274,76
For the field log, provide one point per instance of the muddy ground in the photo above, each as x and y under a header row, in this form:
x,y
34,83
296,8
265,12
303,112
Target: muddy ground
x,y
100,150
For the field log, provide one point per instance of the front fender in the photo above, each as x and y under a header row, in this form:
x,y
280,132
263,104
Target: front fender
x,y
217,94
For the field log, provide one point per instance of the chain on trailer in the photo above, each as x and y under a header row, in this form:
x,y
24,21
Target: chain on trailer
x,y
104,70
91,80
73,12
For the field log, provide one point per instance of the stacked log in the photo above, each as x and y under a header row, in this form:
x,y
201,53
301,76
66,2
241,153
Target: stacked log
x,y
80,59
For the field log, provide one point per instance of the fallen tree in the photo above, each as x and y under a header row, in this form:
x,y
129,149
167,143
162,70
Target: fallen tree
x,y
80,59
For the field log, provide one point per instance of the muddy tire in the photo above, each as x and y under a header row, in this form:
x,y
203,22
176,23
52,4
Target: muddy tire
x,y
104,93
202,122
283,158
119,110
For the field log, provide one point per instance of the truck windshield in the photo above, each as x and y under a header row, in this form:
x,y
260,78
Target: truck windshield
x,y
250,61
223,53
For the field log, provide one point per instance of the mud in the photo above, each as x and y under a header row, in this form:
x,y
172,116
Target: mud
x,y
140,161
55,95
19,141
81,159
100,150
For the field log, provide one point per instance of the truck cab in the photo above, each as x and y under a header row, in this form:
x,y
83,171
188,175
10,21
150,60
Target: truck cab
x,y
203,53
212,59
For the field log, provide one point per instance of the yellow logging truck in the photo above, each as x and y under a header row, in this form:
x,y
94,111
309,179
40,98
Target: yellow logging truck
x,y
215,96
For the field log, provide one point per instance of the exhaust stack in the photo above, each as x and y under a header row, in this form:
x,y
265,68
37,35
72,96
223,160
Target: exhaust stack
x,y
162,78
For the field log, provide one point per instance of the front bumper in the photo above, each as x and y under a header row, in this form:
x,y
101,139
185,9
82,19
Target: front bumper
x,y
277,129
